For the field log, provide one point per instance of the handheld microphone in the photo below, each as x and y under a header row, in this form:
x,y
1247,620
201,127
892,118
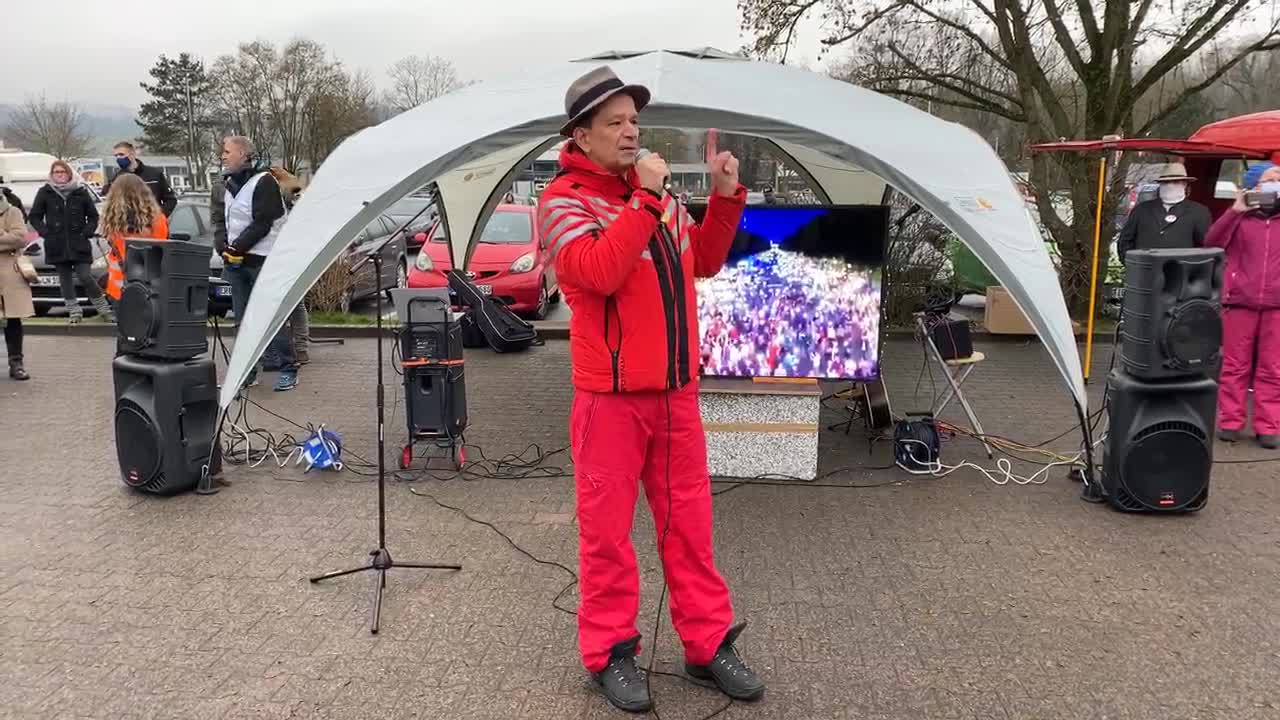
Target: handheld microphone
x,y
641,154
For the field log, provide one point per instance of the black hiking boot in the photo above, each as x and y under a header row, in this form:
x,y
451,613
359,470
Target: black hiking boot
x,y
729,672
625,685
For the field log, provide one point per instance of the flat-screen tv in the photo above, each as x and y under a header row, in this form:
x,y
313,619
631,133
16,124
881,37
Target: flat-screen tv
x,y
799,295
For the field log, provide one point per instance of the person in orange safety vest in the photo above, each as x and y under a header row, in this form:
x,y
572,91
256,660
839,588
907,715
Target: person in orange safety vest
x,y
130,212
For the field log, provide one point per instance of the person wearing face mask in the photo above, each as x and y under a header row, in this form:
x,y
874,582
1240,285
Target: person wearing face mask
x,y
1169,221
1250,314
65,216
127,160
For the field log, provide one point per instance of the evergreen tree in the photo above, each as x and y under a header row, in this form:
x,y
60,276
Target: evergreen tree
x,y
177,119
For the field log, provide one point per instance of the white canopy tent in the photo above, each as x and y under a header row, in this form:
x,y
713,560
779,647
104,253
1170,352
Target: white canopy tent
x,y
849,141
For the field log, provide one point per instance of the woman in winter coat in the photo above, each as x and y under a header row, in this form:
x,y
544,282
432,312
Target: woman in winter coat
x,y
131,212
1250,315
15,293
64,215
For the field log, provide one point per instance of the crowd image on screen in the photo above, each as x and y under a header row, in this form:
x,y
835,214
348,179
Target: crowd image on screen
x,y
784,314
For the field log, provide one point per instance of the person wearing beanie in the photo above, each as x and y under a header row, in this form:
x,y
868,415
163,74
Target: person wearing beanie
x,y
1254,173
1250,313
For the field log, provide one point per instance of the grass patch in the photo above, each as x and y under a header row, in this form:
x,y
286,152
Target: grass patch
x,y
326,317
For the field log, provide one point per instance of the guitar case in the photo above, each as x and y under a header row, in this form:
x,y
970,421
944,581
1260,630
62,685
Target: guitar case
x,y
502,329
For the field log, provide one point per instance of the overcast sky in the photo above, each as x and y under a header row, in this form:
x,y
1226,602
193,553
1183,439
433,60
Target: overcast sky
x,y
96,52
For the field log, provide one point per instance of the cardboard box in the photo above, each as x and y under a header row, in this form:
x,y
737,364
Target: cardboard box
x,y
1003,316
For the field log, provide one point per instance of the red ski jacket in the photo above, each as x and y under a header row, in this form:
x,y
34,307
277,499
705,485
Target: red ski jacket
x,y
1252,244
626,259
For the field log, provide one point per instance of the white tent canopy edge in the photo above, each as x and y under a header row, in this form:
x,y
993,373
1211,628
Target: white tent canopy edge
x,y
850,140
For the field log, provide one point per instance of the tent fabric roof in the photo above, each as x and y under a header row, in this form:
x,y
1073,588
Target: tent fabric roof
x,y
851,140
701,53
1257,131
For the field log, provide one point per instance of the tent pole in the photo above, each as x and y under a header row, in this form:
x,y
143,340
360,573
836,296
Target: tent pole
x,y
1093,273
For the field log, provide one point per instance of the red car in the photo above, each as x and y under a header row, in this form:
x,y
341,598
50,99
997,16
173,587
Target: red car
x,y
510,262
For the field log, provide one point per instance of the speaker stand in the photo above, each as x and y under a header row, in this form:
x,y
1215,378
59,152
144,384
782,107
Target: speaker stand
x,y
380,559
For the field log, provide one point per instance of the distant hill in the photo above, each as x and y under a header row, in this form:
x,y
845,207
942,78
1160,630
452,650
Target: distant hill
x,y
108,123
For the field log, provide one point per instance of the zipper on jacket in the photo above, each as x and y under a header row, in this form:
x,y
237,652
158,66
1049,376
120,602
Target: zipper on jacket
x,y
609,302
1266,261
657,249
682,319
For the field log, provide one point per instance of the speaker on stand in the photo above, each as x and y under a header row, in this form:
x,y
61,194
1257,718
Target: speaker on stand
x,y
1162,401
431,356
166,389
164,304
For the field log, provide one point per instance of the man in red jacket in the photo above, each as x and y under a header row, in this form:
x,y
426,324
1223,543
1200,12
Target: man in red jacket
x,y
626,255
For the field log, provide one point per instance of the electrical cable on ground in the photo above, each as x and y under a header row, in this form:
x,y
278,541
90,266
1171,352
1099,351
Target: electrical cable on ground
x,y
519,466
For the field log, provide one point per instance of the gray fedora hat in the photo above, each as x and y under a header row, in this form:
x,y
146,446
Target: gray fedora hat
x,y
589,91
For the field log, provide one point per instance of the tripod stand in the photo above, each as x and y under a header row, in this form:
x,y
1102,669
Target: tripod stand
x,y
380,559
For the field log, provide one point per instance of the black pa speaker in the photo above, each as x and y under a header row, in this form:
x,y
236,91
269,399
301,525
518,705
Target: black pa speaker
x,y
952,339
435,400
1159,448
164,305
166,415
1172,321
431,341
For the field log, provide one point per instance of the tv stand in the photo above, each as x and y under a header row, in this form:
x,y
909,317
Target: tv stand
x,y
759,426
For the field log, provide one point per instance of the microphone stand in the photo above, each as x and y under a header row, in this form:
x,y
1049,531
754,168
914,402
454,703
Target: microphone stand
x,y
380,558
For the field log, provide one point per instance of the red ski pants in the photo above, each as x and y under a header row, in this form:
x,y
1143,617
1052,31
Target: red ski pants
x,y
1247,335
620,440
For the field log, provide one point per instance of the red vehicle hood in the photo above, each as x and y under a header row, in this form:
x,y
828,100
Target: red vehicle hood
x,y
488,254
439,254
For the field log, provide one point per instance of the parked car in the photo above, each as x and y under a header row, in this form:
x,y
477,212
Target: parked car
x,y
190,221
510,262
191,217
46,292
405,210
395,261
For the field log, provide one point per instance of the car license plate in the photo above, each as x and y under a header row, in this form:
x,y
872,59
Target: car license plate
x,y
486,289
47,280
223,291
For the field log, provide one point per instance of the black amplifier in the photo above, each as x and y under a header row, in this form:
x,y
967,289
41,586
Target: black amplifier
x,y
431,342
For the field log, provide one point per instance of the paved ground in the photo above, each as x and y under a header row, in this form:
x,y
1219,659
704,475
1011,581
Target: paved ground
x,y
948,598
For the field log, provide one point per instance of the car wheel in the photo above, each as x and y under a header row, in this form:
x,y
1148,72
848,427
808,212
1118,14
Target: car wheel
x,y
544,302
555,297
402,274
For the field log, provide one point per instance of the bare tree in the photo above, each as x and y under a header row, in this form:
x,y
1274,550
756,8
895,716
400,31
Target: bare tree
x,y
1059,68
417,79
57,128
268,95
348,106
176,117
